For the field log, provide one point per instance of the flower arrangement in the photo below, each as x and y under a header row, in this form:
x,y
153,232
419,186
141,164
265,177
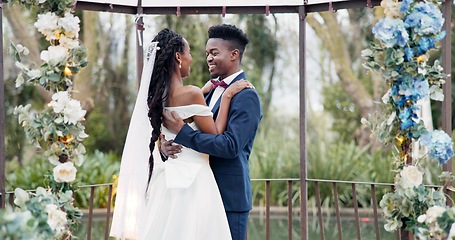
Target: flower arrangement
x,y
409,30
57,130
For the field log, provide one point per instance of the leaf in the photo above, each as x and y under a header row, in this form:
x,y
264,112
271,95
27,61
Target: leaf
x,y
54,77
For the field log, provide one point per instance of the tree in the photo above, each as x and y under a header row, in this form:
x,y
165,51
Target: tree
x,y
344,43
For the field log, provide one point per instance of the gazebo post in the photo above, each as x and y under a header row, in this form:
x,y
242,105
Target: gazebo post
x,y
139,42
2,119
302,117
447,87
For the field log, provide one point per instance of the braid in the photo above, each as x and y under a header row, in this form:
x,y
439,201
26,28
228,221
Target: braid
x,y
169,43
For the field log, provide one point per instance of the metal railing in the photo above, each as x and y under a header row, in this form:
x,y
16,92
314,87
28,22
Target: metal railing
x,y
318,189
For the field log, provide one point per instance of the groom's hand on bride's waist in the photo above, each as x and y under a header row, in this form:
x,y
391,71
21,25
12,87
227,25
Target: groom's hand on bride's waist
x,y
167,149
172,121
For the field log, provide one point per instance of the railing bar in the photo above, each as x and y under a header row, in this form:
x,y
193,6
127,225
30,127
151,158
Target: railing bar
x,y
95,185
318,203
108,213
289,209
375,211
267,210
90,213
11,199
337,211
349,182
356,211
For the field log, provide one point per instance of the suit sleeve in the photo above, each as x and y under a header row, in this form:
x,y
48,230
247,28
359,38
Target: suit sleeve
x,y
244,117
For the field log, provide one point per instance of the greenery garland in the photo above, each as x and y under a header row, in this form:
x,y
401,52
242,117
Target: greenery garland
x,y
406,35
57,131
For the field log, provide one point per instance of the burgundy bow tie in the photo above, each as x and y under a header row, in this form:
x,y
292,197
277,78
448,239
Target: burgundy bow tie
x,y
218,83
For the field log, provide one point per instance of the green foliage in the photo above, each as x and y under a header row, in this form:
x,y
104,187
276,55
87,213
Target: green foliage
x,y
101,136
98,168
57,6
194,30
14,133
276,154
28,176
340,106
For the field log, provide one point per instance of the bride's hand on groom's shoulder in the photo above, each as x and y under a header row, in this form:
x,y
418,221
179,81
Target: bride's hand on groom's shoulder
x,y
236,87
207,87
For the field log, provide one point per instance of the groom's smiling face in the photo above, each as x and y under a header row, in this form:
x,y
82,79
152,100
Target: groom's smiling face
x,y
220,58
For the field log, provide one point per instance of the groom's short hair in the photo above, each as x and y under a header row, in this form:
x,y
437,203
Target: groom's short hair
x,y
236,37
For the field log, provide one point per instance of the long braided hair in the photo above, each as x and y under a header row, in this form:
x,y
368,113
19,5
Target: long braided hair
x,y
169,43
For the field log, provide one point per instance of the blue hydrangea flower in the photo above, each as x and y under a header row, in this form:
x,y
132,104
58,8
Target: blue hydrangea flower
x,y
409,87
408,54
405,4
425,19
405,117
391,32
439,145
424,45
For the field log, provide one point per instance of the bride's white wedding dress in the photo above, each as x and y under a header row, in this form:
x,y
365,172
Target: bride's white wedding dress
x,y
183,201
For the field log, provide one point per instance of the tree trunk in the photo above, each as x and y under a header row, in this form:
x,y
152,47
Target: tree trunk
x,y
330,33
83,80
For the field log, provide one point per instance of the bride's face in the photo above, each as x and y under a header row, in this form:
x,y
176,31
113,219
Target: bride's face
x,y
186,60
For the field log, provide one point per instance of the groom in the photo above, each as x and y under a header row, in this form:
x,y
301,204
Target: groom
x,y
229,152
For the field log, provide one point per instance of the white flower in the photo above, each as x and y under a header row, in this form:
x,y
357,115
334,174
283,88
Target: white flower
x,y
47,25
59,101
391,8
73,112
54,55
421,218
56,218
53,159
70,24
69,43
410,177
21,197
392,224
433,213
451,232
65,172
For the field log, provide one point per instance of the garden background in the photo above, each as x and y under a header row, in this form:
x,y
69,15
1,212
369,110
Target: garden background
x,y
338,88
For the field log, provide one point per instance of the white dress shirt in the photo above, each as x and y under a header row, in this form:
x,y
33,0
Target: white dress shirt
x,y
219,90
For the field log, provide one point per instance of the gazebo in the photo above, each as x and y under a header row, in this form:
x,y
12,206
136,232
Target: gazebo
x,y
300,7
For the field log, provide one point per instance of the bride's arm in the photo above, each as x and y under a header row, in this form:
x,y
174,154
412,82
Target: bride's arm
x,y
228,94
205,123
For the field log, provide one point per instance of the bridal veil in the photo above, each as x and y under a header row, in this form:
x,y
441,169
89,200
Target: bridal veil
x,y
133,177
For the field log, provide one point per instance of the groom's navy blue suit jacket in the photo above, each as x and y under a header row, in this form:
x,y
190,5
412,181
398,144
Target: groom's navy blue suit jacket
x,y
229,152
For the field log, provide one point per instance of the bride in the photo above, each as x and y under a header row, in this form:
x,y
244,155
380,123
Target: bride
x,y
176,199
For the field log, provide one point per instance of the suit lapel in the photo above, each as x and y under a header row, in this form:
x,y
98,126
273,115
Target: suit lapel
x,y
217,104
208,97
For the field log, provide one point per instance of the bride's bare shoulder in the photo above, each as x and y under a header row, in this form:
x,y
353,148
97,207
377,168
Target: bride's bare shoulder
x,y
188,95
